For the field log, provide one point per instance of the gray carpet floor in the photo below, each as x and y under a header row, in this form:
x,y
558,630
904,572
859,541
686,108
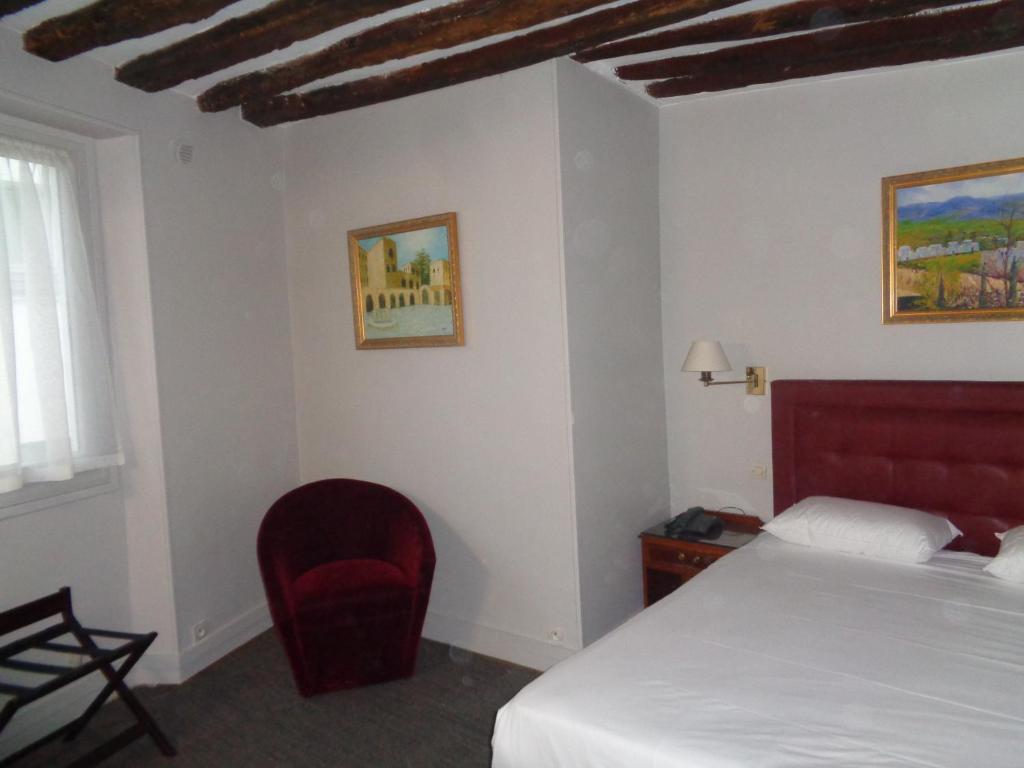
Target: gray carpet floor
x,y
244,711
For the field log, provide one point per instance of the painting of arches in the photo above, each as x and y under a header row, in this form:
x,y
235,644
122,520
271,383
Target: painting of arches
x,y
406,283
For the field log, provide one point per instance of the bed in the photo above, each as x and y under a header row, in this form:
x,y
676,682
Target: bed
x,y
781,656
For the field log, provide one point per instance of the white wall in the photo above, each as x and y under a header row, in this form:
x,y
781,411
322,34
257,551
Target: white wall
x,y
477,435
771,242
216,241
213,240
609,171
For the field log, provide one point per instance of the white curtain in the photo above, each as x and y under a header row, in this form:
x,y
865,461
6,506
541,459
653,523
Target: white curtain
x,y
56,396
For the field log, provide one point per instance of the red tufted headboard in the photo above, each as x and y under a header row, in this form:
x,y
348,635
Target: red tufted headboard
x,y
954,448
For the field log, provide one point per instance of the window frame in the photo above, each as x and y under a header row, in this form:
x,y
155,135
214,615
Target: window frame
x,y
82,150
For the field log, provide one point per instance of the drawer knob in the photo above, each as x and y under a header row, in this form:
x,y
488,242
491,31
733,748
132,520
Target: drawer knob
x,y
683,557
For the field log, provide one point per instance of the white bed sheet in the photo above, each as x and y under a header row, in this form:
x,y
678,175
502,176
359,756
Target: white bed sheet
x,y
780,656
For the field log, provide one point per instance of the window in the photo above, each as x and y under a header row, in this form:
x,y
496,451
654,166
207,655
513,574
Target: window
x,y
57,415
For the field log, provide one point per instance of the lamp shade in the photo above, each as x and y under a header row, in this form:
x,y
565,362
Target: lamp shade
x,y
706,356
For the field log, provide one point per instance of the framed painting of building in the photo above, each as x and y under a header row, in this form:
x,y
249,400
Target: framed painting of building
x,y
405,284
953,244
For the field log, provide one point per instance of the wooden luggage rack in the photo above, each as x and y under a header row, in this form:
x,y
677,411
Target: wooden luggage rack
x,y
81,644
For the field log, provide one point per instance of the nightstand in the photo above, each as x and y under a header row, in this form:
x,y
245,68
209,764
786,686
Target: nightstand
x,y
669,562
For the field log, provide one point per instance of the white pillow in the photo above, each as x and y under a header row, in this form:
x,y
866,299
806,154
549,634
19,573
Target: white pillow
x,y
1009,563
863,528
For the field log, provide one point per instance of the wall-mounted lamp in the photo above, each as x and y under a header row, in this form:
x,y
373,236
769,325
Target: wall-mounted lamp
x,y
708,357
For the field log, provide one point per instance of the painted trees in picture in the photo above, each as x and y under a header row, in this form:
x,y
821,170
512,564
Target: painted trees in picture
x,y
954,244
405,284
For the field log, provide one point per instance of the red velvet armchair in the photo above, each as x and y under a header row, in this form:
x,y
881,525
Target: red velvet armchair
x,y
347,566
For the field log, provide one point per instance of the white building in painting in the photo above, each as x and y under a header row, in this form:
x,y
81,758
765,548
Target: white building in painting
x,y
952,248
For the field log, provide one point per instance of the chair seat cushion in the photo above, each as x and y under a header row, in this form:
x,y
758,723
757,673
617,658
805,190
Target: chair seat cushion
x,y
350,581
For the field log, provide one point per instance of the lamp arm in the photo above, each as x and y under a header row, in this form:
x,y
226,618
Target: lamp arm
x,y
754,380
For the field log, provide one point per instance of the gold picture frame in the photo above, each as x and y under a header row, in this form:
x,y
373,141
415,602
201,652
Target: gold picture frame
x,y
953,244
406,286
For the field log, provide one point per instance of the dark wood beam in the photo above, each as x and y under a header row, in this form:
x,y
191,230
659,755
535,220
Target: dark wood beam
x,y
965,32
505,56
7,7
113,21
778,20
274,26
436,29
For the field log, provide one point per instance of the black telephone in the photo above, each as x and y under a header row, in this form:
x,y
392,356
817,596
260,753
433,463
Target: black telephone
x,y
694,523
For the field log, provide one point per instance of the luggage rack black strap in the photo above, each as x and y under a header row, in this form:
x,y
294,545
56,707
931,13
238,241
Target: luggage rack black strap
x,y
36,667
61,647
112,634
35,640
9,689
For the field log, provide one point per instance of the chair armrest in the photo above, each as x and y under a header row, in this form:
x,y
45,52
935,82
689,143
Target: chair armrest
x,y
279,572
409,548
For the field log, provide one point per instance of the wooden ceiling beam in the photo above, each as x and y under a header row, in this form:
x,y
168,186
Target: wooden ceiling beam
x,y
274,26
436,29
113,21
7,7
802,16
497,58
964,32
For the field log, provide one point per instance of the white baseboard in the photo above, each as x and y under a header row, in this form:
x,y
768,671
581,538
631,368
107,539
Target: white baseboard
x,y
225,639
489,641
157,668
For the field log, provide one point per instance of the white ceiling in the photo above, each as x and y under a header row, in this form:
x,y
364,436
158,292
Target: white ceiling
x,y
115,55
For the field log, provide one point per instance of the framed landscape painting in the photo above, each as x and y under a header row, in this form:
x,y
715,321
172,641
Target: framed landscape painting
x,y
405,284
954,244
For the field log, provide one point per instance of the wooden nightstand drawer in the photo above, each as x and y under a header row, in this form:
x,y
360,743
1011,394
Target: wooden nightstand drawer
x,y
696,559
674,554
670,562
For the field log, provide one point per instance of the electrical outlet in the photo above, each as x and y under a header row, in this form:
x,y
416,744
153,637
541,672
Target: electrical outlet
x,y
200,631
556,635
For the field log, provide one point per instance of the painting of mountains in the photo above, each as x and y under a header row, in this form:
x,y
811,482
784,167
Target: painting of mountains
x,y
954,244
961,208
